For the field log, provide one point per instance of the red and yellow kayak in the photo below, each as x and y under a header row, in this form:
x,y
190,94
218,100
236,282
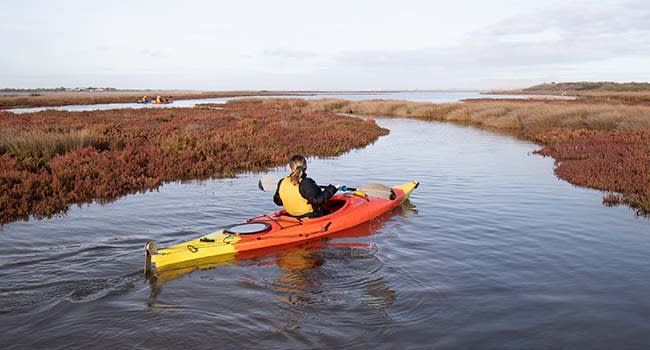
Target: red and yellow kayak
x,y
273,231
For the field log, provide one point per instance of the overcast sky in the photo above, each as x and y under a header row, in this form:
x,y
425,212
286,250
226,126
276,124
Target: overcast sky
x,y
331,44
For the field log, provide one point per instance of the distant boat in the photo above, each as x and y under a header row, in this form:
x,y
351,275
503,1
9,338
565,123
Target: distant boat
x,y
162,102
157,101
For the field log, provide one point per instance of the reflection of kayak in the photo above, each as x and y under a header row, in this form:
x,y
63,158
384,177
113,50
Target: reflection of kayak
x,y
272,231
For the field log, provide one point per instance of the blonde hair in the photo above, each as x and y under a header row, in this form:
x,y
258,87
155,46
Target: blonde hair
x,y
298,165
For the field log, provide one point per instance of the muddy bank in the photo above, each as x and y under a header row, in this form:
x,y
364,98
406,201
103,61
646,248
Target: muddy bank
x,y
50,160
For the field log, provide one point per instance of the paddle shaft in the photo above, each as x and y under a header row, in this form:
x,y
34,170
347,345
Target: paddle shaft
x,y
346,188
269,183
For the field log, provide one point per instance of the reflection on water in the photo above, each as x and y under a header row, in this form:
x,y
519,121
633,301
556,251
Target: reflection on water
x,y
296,284
297,281
500,254
301,267
378,294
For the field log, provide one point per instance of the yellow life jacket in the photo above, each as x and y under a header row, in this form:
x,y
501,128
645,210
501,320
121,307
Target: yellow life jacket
x,y
294,203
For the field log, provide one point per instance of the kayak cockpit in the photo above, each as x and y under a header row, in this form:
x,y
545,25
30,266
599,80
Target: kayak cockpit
x,y
332,206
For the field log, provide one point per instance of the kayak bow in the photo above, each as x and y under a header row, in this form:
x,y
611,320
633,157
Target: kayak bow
x,y
273,230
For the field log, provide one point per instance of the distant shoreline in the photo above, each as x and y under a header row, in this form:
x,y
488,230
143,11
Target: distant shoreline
x,y
33,98
64,98
609,92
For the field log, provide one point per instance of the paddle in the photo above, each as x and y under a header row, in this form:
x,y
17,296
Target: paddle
x,y
269,183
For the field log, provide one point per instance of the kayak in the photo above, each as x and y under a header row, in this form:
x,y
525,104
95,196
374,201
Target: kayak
x,y
154,102
272,231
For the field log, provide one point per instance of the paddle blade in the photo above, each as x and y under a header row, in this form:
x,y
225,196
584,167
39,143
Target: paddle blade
x,y
268,183
377,190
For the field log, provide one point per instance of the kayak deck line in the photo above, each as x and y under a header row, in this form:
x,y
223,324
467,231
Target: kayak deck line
x,y
278,229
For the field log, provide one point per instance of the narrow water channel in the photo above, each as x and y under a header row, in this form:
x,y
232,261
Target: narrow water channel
x,y
499,254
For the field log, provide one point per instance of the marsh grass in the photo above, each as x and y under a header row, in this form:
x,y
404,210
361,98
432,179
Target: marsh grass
x,y
520,115
593,92
37,147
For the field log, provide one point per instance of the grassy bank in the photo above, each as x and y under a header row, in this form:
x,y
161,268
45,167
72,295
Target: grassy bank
x,y
50,160
521,115
52,99
602,146
606,92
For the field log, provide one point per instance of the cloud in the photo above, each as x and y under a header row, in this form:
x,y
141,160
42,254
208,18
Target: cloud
x,y
155,53
286,53
595,19
418,44
569,34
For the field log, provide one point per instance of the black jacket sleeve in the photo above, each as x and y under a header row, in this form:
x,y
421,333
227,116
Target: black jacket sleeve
x,y
276,196
313,194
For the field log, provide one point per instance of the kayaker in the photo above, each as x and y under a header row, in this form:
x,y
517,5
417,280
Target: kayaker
x,y
299,194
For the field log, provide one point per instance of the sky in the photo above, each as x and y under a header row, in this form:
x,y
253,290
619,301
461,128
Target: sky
x,y
325,45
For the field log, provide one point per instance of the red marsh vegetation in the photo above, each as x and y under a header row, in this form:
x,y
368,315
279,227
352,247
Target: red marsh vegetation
x,y
52,159
617,160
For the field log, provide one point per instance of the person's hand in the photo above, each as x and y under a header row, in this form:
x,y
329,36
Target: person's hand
x,y
341,187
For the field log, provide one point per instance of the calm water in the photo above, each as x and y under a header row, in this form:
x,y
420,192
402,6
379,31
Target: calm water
x,y
499,255
420,96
